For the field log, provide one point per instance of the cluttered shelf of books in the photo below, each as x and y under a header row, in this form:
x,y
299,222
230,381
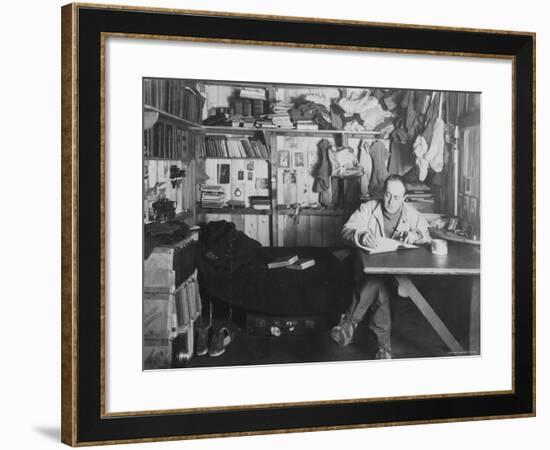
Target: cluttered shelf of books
x,y
293,153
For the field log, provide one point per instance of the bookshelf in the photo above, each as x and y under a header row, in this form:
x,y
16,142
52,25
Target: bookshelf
x,y
172,112
240,157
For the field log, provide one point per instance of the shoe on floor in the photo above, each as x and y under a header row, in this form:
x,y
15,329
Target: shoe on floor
x,y
220,340
342,333
203,334
383,353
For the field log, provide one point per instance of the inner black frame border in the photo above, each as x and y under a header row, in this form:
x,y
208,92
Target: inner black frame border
x,y
91,426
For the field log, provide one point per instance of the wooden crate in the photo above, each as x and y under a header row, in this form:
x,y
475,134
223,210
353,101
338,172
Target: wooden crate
x,y
157,353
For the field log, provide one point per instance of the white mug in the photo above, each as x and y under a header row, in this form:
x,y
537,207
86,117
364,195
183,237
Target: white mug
x,y
439,246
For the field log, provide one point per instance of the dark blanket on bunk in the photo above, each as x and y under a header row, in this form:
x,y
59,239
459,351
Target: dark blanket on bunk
x,y
233,268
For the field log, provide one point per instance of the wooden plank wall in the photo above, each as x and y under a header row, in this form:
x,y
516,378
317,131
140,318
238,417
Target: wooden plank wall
x,y
254,225
309,230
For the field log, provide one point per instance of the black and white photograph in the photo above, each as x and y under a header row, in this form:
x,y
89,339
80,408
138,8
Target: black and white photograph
x,y
354,236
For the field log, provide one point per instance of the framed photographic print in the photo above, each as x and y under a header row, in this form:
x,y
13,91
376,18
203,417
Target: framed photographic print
x,y
404,244
299,159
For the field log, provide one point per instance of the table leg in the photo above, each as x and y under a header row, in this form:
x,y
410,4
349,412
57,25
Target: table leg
x,y
475,318
407,287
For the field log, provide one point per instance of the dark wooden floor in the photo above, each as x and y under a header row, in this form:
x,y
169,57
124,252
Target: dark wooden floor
x,y
412,337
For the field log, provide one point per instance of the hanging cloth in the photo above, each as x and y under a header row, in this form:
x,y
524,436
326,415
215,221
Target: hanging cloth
x,y
366,162
379,154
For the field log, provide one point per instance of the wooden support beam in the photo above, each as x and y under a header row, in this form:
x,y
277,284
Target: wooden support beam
x,y
407,288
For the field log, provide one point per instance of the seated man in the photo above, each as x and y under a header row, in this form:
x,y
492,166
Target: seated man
x,y
392,218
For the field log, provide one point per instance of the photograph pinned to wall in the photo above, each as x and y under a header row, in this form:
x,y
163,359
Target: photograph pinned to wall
x,y
250,176
299,159
224,173
283,159
240,175
261,183
250,165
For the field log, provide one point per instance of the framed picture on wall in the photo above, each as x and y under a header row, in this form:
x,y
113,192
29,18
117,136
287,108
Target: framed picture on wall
x,y
188,272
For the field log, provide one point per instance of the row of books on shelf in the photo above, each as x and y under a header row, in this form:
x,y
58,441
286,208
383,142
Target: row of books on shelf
x,y
165,141
174,97
234,147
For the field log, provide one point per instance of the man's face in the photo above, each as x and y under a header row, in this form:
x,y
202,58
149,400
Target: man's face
x,y
394,196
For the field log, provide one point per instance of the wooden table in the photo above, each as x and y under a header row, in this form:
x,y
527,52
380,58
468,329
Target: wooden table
x,y
461,259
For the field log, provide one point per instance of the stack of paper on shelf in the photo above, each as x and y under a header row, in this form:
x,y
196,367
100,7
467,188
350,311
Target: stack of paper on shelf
x,y
306,125
212,196
419,193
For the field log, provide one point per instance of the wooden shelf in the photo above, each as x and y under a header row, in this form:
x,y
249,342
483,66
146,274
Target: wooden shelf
x,y
208,129
285,131
240,157
178,121
292,132
180,217
159,158
283,210
234,211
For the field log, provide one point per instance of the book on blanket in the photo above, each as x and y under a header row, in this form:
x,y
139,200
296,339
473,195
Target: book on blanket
x,y
386,245
302,264
282,261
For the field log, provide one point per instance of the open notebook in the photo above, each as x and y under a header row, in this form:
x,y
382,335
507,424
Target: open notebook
x,y
386,245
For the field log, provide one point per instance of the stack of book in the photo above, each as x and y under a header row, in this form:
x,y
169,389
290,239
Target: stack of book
x,y
253,93
281,117
306,125
419,193
212,196
281,120
265,122
259,201
280,107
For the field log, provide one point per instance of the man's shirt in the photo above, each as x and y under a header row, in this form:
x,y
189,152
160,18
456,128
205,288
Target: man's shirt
x,y
370,217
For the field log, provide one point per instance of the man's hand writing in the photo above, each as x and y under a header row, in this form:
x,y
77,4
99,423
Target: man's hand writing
x,y
412,237
368,239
